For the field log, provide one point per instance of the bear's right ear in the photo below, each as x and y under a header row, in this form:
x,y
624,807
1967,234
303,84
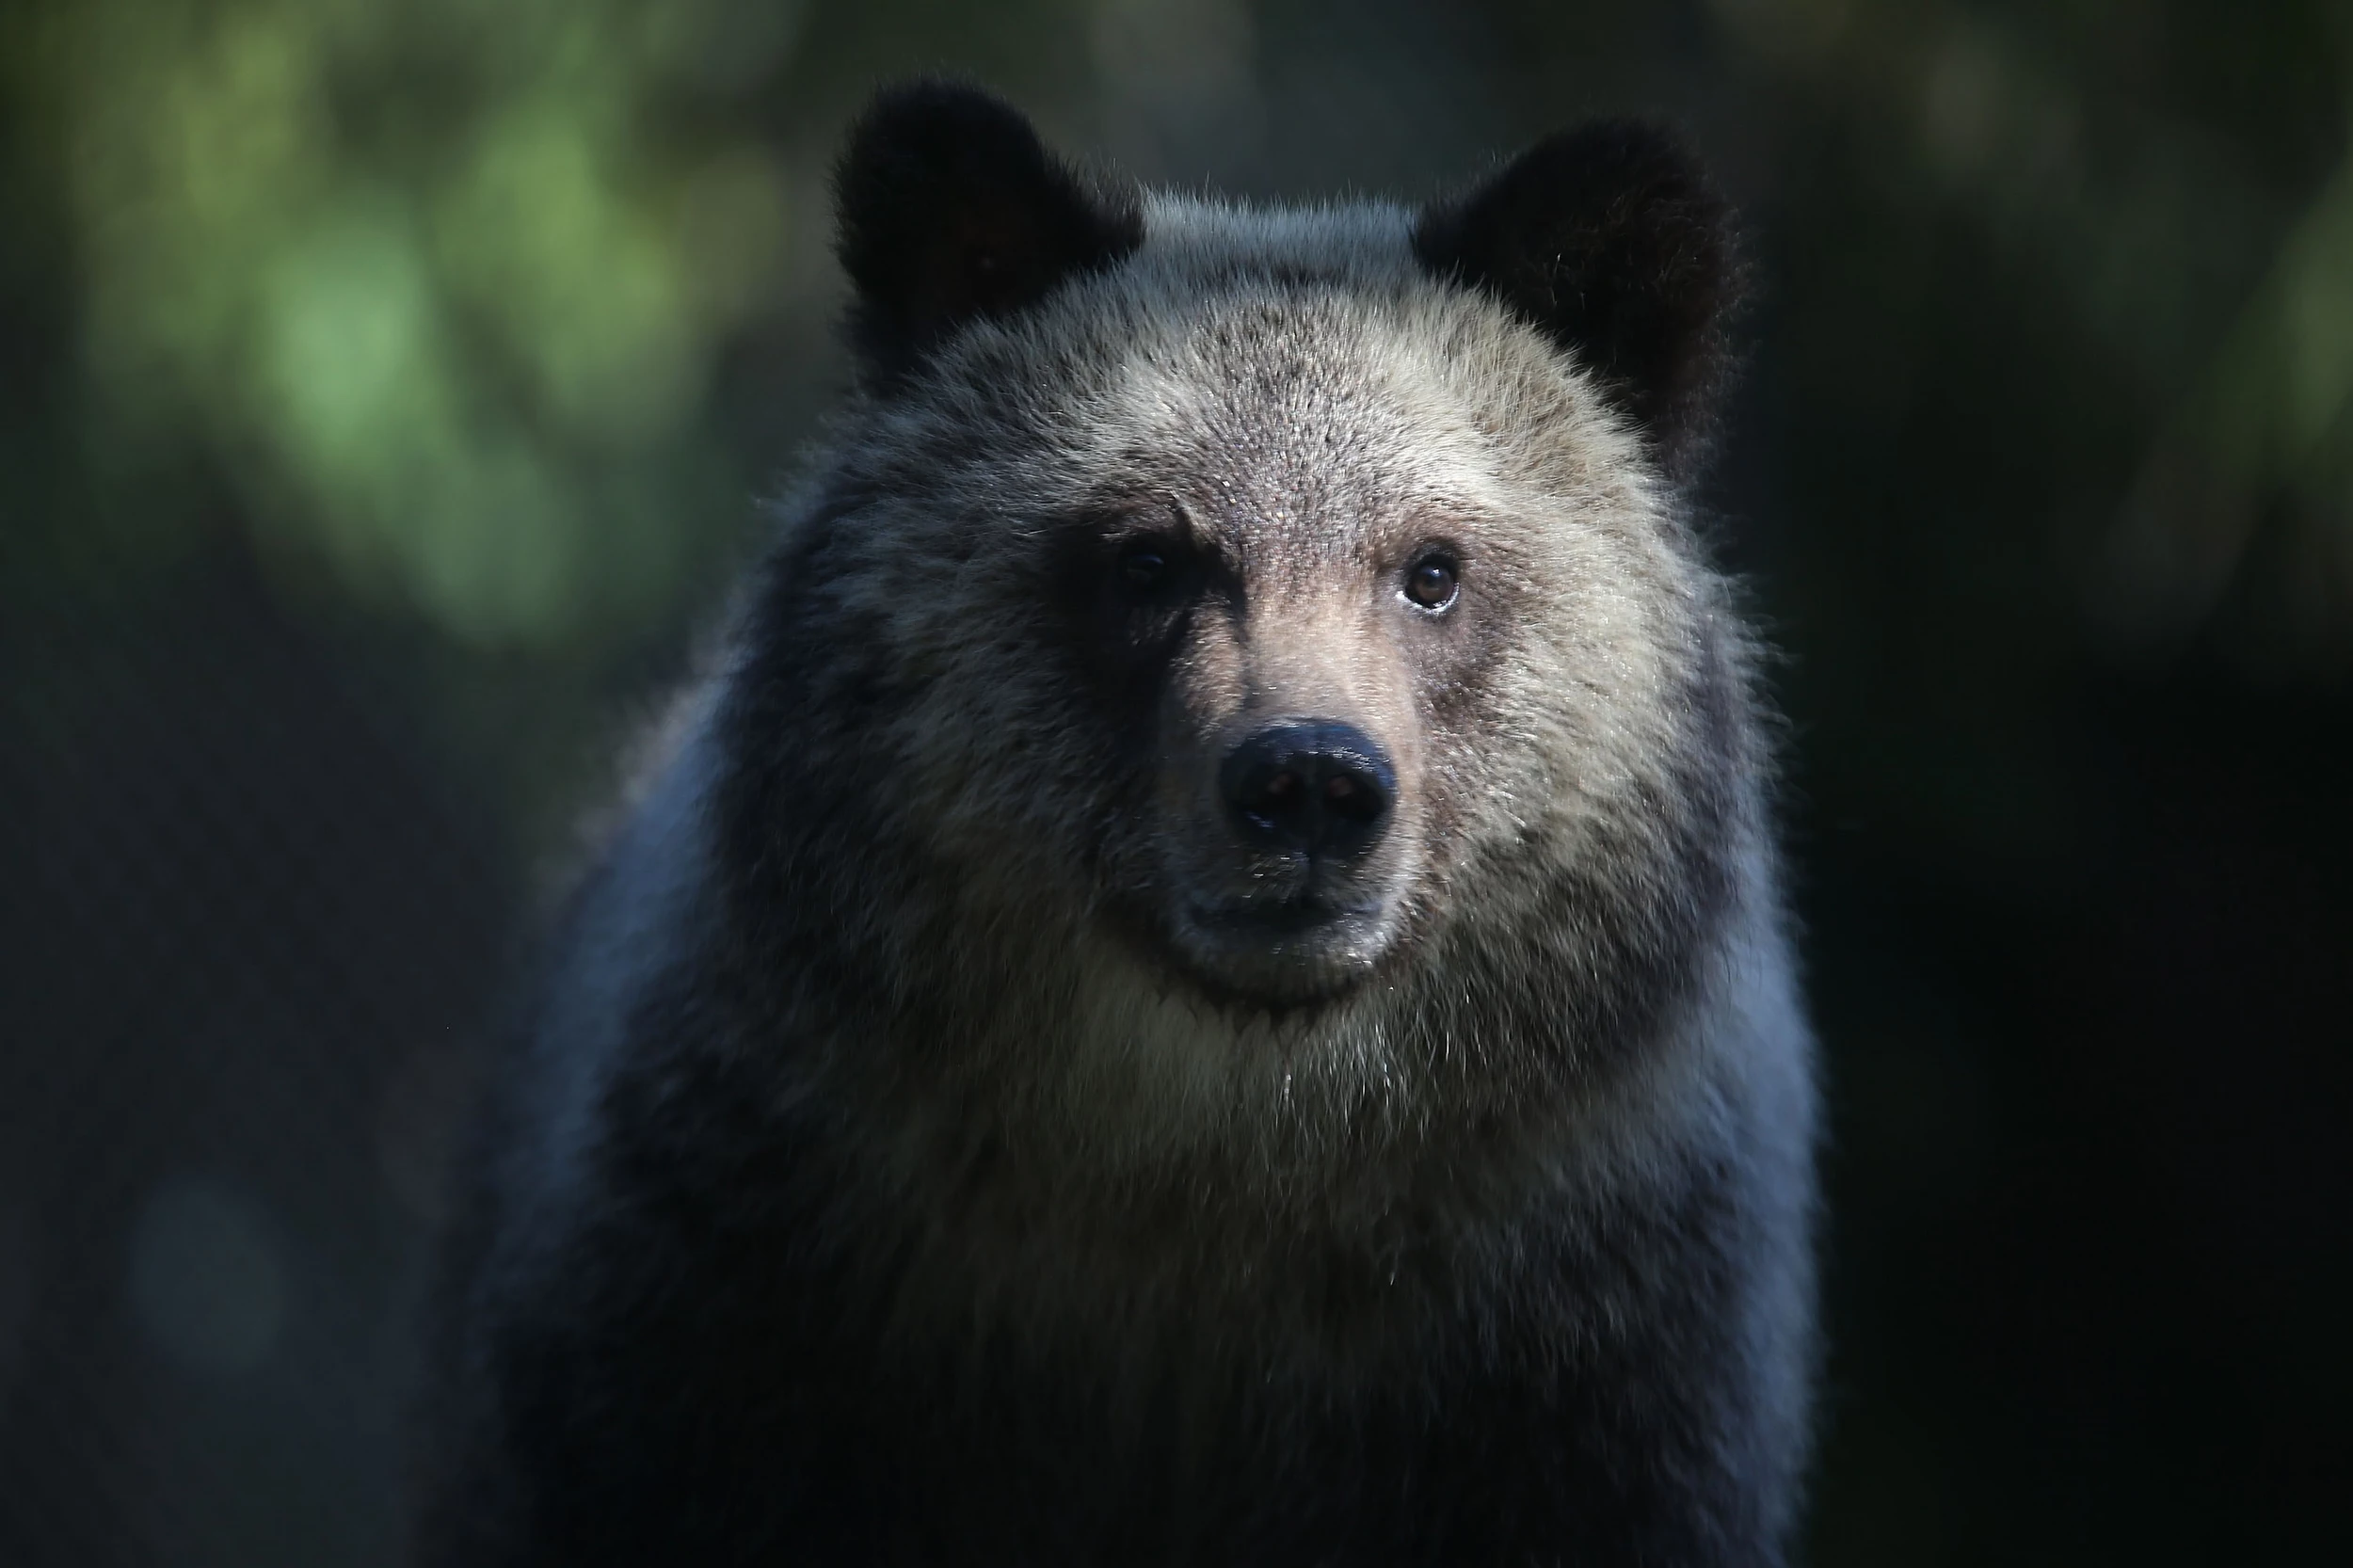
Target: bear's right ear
x,y
949,208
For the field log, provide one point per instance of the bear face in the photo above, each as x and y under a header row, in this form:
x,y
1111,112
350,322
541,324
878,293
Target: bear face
x,y
1203,520
1256,651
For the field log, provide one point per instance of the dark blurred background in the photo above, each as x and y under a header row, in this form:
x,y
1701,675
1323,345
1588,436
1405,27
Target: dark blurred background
x,y
385,390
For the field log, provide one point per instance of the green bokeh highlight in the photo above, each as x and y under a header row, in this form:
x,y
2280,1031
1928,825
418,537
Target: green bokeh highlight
x,y
426,281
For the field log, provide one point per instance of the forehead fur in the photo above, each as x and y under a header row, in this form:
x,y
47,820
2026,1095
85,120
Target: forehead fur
x,y
1301,360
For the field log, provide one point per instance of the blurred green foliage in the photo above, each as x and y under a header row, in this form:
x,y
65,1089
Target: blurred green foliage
x,y
442,288
430,279
2073,137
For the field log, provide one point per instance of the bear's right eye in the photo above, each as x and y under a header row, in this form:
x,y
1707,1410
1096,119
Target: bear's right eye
x,y
1142,564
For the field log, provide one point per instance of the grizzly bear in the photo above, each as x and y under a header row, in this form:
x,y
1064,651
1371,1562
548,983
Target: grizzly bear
x,y
1204,981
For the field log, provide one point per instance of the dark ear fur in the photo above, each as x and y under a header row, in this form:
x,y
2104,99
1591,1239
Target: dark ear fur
x,y
949,208
1610,238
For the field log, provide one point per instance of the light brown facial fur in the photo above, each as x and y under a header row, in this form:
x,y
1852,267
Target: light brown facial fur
x,y
1289,449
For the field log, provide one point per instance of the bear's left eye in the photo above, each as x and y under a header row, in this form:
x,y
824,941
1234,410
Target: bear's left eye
x,y
1433,581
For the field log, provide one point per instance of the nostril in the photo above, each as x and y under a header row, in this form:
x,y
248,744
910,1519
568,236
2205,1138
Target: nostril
x,y
1312,786
1354,798
1271,796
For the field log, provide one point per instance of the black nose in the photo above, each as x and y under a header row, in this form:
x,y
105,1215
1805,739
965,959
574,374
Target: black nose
x,y
1312,785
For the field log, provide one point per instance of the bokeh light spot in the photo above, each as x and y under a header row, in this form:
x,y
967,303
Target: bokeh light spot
x,y
206,1282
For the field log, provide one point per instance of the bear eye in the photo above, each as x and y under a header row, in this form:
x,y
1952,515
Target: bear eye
x,y
1433,581
1142,562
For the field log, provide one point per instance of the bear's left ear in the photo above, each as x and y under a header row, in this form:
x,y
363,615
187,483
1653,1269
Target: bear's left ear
x,y
948,208
1609,239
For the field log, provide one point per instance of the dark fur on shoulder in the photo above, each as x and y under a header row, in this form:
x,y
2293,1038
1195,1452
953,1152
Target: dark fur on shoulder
x,y
1204,982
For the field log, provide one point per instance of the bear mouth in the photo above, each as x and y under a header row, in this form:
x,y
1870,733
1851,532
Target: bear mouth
x,y
1290,950
1273,920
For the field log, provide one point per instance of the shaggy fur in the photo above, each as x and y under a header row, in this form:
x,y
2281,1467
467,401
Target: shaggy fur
x,y
937,1140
